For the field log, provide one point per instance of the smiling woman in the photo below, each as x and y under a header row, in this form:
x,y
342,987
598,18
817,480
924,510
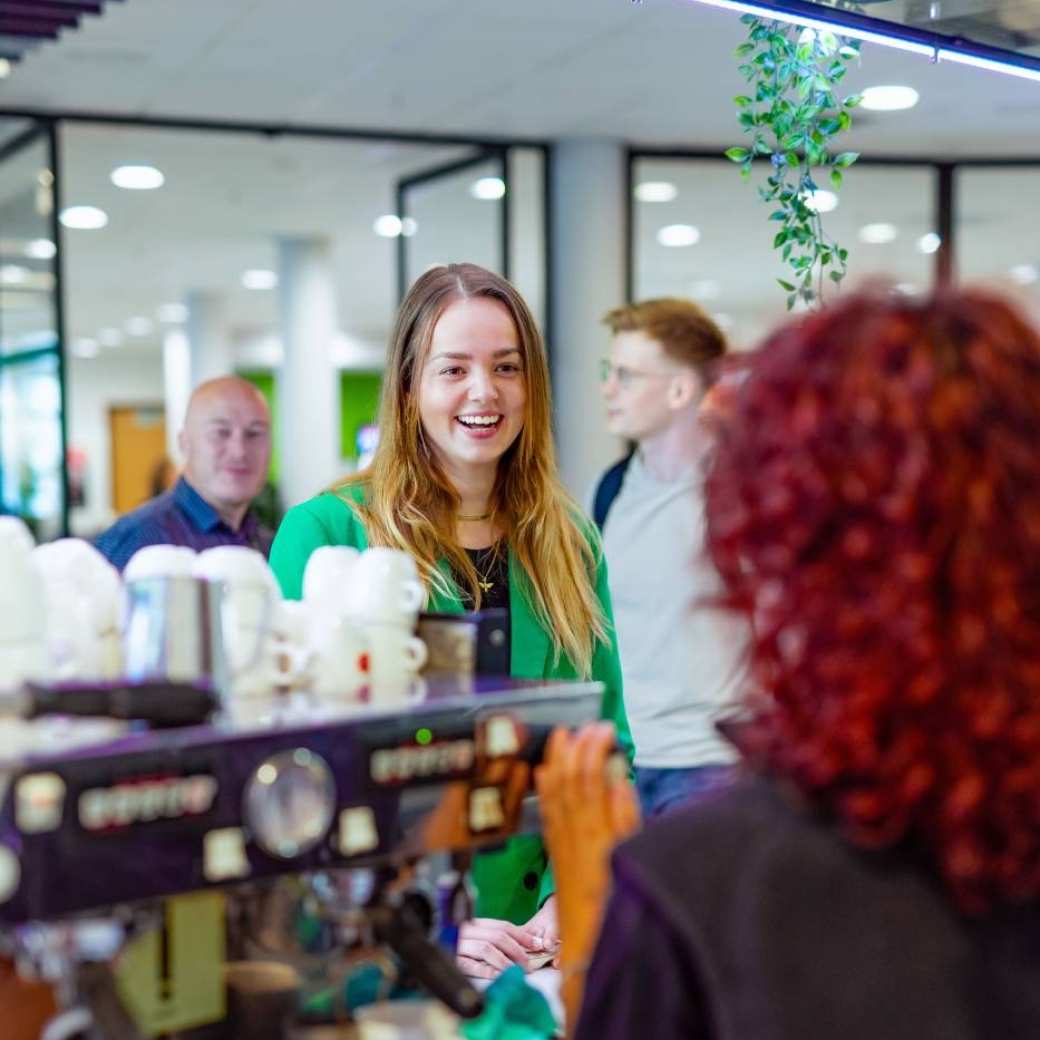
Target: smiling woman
x,y
465,481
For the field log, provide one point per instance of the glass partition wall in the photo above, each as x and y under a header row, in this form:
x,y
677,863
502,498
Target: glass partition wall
x,y
32,414
188,259
699,231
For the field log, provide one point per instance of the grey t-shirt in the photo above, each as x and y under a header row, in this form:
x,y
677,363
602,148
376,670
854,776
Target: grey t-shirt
x,y
682,660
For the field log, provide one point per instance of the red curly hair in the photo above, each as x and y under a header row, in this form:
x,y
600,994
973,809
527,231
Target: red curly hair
x,y
874,508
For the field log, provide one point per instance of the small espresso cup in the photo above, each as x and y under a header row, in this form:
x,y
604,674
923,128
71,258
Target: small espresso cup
x,y
385,589
393,655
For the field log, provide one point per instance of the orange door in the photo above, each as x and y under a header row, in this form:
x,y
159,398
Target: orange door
x,y
138,438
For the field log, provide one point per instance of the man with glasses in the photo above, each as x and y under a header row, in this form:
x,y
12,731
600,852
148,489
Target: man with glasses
x,y
680,656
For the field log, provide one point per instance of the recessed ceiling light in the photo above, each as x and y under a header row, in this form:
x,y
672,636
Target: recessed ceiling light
x,y
889,99
138,178
40,249
929,243
139,326
172,313
14,274
84,218
488,188
677,235
85,347
409,227
656,191
821,200
706,289
1025,274
259,279
878,234
110,337
387,226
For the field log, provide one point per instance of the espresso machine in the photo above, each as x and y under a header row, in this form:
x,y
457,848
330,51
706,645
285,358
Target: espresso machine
x,y
330,838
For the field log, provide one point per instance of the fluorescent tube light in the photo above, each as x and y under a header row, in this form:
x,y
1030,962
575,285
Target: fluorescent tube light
x,y
821,25
1007,67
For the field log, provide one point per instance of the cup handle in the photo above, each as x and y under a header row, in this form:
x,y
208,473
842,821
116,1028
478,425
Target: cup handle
x,y
415,650
413,596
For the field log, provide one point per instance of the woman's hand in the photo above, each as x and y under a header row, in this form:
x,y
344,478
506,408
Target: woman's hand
x,y
585,814
488,946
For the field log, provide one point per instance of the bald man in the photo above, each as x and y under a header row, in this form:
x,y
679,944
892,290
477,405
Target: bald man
x,y
226,443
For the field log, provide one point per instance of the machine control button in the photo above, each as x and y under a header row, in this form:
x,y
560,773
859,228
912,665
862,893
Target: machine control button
x,y
39,802
224,854
485,809
357,831
501,736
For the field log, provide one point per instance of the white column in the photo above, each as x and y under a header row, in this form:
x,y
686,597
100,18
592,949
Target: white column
x,y
211,351
308,381
176,387
587,195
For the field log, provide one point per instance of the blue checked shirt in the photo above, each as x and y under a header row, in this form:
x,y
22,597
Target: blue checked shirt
x,y
180,516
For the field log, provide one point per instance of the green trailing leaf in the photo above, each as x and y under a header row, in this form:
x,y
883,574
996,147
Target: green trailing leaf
x,y
794,119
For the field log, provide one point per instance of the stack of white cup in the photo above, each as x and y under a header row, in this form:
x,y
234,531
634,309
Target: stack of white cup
x,y
250,609
82,594
336,647
384,599
23,653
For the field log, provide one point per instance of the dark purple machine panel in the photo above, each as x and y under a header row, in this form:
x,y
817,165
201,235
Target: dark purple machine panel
x,y
162,812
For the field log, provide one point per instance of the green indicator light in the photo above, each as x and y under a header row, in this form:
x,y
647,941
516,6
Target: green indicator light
x,y
423,736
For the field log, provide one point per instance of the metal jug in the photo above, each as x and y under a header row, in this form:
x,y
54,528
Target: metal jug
x,y
173,630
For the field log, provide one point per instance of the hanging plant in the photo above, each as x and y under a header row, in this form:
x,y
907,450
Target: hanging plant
x,y
793,115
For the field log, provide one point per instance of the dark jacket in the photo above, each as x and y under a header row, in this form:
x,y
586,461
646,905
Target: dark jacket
x,y
744,918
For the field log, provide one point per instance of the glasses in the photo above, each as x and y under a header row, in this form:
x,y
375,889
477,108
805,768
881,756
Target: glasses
x,y
625,376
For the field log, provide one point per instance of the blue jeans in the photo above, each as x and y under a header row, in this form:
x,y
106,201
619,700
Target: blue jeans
x,y
661,790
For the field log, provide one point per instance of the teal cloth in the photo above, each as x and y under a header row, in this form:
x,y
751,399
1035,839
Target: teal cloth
x,y
513,1011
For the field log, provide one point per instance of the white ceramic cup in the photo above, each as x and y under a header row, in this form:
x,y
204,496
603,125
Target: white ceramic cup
x,y
74,566
251,596
22,661
393,655
160,561
249,606
329,575
22,599
385,589
337,659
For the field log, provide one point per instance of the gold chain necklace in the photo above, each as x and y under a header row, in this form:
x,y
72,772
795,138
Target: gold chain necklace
x,y
472,519
483,577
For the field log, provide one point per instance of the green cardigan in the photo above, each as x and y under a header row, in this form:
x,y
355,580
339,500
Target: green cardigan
x,y
512,883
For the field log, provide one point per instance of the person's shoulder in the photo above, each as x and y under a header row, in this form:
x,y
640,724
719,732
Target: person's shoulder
x,y
740,824
335,511
144,525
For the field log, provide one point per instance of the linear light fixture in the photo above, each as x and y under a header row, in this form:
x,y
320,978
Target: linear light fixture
x,y
979,62
934,46
824,25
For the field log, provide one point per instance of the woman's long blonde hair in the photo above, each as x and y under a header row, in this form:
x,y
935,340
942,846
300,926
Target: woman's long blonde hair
x,y
410,504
